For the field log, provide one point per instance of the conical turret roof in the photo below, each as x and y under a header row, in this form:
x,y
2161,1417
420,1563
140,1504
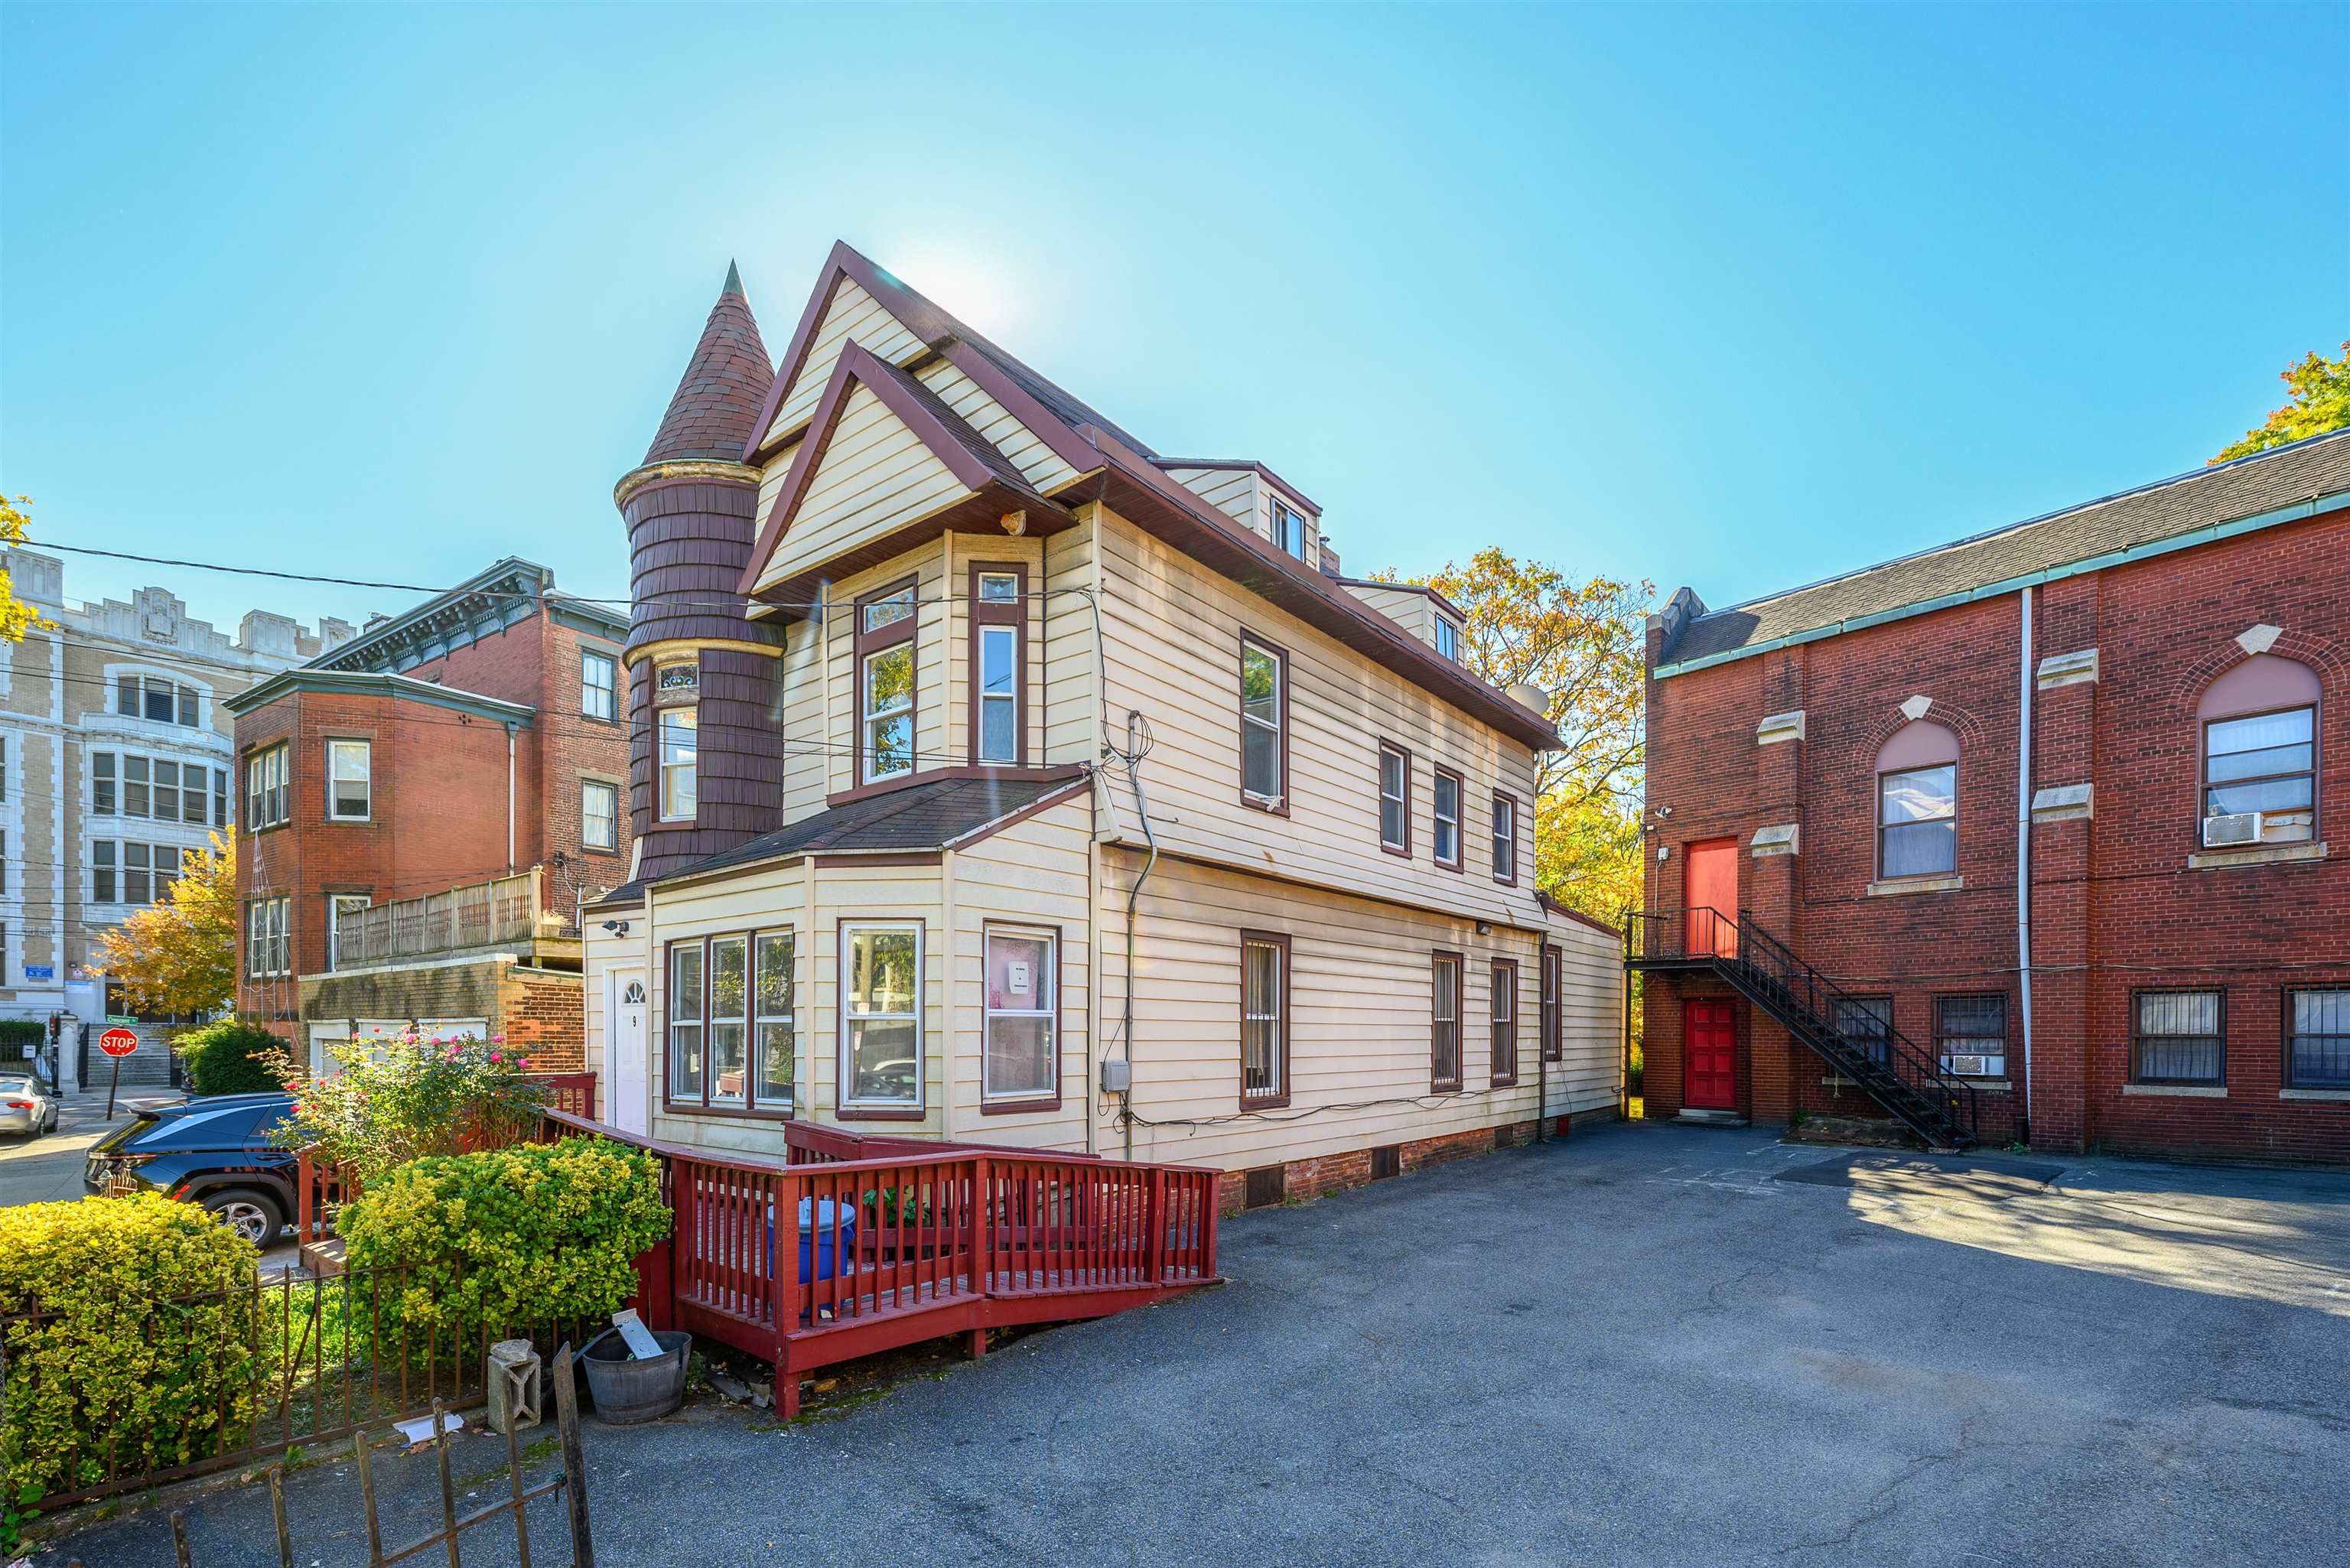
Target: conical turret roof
x,y
718,399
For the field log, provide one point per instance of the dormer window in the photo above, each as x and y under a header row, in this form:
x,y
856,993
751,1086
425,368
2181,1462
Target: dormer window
x,y
1288,530
1448,639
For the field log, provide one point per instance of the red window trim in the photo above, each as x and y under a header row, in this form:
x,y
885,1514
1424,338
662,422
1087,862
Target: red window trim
x,y
1052,1102
750,1109
1279,804
1510,880
1460,820
1015,615
1379,784
1437,960
1279,941
1505,980
870,642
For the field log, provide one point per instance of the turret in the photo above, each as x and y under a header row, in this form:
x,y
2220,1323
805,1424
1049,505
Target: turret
x,y
700,675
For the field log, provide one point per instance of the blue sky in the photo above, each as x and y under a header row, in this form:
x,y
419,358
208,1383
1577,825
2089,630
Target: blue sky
x,y
1737,298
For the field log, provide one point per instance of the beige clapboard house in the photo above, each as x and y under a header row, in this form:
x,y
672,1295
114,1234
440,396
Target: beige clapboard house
x,y
1015,784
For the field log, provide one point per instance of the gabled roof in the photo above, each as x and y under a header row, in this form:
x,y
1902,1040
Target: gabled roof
x,y
716,405
939,814
1119,469
919,315
971,457
2274,486
485,604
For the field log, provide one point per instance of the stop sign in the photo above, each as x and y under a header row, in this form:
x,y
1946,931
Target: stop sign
x,y
118,1042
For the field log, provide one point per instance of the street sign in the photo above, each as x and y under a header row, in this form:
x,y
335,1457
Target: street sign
x,y
122,1018
118,1042
40,972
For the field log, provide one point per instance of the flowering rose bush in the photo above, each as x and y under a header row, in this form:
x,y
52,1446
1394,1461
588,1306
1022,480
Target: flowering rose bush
x,y
406,1097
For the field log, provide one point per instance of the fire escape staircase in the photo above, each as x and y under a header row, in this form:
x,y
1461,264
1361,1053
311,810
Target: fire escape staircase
x,y
1908,1082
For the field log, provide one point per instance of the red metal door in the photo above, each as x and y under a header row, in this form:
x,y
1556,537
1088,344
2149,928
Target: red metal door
x,y
1711,896
1710,1056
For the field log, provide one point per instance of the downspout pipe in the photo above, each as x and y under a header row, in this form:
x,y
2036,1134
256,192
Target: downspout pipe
x,y
510,798
2024,677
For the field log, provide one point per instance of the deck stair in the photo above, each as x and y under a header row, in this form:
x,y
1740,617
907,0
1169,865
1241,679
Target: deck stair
x,y
1909,1082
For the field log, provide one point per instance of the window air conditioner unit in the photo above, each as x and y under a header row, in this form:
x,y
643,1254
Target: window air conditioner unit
x,y
1972,1067
2233,827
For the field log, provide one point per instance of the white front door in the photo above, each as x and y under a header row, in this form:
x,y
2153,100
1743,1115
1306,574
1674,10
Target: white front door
x,y
626,1101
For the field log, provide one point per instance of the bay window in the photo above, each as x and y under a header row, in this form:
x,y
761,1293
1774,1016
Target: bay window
x,y
1020,1064
687,1079
881,1019
728,1019
772,982
730,1024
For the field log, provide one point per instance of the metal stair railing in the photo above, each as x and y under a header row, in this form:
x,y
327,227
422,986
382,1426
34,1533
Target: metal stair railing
x,y
1888,1066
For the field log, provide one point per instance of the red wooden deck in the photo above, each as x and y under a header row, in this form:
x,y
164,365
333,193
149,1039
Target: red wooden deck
x,y
904,1240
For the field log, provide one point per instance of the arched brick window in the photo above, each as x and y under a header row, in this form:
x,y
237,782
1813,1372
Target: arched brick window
x,y
1917,801
2259,726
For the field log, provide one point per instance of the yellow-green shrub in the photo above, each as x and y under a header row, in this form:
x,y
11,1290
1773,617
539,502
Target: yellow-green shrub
x,y
511,1237
114,1355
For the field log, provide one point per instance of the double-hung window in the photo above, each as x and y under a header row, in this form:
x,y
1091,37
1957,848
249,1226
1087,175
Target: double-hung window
x,y
1444,1012
351,788
2179,1037
103,886
1916,822
266,795
599,815
1020,1060
689,1076
152,697
730,1024
1395,799
680,750
103,799
1503,1009
2317,1053
1554,1018
881,1019
1448,792
886,625
1264,724
1505,837
1866,1022
265,950
999,636
597,685
1265,1020
2265,763
1288,530
1971,1034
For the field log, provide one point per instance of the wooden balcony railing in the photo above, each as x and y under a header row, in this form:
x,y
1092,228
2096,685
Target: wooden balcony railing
x,y
862,1243
479,915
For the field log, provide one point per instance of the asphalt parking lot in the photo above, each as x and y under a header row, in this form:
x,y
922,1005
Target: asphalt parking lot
x,y
1649,1346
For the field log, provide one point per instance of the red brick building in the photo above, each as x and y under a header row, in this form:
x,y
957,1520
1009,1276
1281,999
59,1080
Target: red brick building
x,y
478,743
1838,823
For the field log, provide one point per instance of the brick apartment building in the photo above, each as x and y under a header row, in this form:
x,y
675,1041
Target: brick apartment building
x,y
1837,828
422,812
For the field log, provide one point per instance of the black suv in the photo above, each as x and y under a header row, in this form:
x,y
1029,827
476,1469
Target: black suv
x,y
212,1151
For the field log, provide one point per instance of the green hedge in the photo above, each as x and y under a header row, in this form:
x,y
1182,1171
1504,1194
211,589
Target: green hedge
x,y
514,1236
20,1037
229,1058
115,1355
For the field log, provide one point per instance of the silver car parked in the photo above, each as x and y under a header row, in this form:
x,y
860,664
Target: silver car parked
x,y
27,1105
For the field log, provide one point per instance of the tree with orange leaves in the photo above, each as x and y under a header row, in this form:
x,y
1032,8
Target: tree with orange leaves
x,y
2319,401
178,953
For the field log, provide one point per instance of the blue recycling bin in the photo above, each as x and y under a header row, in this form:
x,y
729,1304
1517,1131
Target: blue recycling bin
x,y
816,1259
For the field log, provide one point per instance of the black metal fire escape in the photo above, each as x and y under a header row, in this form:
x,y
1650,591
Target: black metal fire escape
x,y
1884,1064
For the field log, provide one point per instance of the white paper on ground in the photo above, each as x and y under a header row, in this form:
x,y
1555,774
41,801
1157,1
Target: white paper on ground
x,y
420,1430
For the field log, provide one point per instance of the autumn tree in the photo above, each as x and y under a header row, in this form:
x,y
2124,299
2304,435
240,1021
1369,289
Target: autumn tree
x,y
16,617
2318,402
178,953
1581,642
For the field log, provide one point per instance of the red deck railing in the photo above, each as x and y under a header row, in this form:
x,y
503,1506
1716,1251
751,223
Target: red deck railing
x,y
862,1243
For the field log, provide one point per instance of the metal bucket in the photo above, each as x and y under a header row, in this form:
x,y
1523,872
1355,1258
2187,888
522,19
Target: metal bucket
x,y
626,1390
